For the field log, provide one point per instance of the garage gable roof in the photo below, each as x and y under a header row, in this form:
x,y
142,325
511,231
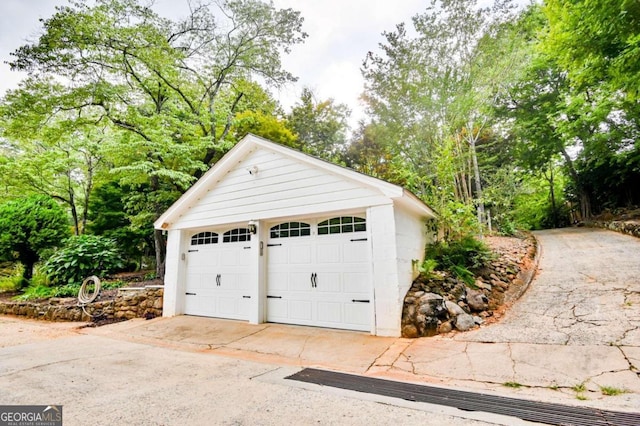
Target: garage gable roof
x,y
250,143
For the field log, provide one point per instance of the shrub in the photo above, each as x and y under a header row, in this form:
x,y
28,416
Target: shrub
x,y
460,257
81,257
28,227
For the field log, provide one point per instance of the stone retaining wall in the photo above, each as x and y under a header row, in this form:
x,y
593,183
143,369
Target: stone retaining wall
x,y
137,302
630,227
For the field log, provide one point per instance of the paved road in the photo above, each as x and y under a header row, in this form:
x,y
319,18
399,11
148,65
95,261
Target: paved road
x,y
577,325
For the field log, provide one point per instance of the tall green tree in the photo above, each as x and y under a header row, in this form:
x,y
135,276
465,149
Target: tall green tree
x,y
170,89
28,227
320,126
57,154
432,88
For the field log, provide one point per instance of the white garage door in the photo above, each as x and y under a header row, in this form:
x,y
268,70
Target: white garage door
x,y
217,275
318,274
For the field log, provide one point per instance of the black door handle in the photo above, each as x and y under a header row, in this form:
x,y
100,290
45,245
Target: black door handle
x,y
218,280
190,294
274,297
359,301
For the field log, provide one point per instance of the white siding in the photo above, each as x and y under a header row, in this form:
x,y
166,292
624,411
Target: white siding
x,y
174,276
411,238
281,187
388,303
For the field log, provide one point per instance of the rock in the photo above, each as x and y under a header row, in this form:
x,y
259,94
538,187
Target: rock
x,y
410,331
481,284
453,309
445,327
464,322
477,301
478,320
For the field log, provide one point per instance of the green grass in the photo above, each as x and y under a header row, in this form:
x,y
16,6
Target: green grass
x,y
581,397
554,387
611,391
514,385
579,387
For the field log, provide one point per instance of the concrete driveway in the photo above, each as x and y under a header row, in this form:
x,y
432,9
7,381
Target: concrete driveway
x,y
572,338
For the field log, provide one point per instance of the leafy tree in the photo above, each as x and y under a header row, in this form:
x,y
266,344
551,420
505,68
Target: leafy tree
x,y
596,42
368,154
54,154
170,90
320,126
28,227
433,91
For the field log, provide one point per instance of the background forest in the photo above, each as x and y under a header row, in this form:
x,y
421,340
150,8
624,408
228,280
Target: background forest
x,y
500,118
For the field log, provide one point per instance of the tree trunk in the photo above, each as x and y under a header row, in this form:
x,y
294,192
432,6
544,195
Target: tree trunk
x,y
552,195
28,260
585,201
478,184
161,250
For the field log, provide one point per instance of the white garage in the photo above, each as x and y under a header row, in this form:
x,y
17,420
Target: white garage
x,y
270,234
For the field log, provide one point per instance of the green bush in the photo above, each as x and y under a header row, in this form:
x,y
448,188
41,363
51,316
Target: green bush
x,y
81,257
461,257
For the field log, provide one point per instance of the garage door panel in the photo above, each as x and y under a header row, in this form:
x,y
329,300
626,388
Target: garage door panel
x,y
278,309
300,310
330,312
328,253
358,314
230,257
228,305
278,255
356,282
329,282
203,259
278,281
355,252
299,281
301,255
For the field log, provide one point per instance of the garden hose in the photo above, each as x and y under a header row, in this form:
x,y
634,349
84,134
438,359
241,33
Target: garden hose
x,y
84,297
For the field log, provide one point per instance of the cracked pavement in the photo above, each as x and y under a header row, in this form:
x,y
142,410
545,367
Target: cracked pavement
x,y
577,324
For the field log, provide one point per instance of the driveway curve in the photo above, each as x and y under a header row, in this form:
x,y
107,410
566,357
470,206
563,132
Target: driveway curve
x,y
586,292
573,335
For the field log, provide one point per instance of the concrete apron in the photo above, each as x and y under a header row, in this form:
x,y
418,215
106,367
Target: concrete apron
x,y
543,372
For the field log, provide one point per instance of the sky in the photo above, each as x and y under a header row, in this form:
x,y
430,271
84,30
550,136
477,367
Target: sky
x,y
341,32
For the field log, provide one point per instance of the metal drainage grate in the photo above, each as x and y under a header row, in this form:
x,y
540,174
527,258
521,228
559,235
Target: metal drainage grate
x,y
553,414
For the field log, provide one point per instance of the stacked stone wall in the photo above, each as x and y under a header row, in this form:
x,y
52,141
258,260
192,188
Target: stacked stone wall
x,y
139,302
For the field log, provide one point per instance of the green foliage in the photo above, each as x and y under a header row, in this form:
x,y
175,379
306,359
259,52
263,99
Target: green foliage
x,y
81,257
514,385
320,126
108,217
612,391
11,276
28,227
461,257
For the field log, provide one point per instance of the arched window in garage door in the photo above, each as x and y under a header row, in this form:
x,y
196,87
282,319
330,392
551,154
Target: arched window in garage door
x,y
341,225
235,235
204,238
290,229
